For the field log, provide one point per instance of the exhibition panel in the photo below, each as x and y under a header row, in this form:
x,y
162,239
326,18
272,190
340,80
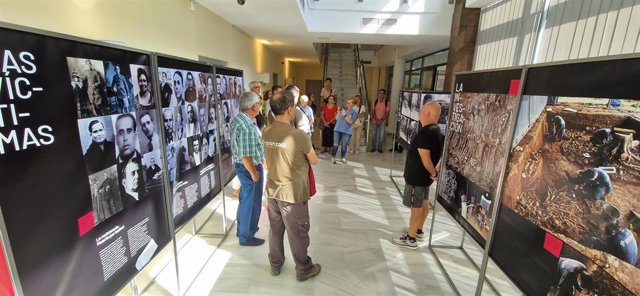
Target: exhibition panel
x,y
190,129
569,198
81,216
229,86
410,104
483,110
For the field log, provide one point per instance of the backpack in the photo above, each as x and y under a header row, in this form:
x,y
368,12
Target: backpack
x,y
386,103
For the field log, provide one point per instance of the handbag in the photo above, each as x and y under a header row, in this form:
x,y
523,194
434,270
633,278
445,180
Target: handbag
x,y
312,182
358,122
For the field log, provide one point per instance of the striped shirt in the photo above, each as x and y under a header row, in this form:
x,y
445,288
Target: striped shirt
x,y
245,140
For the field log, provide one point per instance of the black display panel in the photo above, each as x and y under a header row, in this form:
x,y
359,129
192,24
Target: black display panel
x,y
81,216
229,86
410,104
573,172
482,112
190,128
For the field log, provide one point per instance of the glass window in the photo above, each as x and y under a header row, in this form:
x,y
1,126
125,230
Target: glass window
x,y
440,73
407,80
427,79
415,80
420,72
416,64
435,59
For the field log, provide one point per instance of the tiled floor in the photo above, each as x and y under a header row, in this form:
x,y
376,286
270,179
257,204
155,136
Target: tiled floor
x,y
353,217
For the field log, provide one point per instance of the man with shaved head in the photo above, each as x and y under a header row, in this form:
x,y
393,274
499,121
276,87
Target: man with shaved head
x,y
420,170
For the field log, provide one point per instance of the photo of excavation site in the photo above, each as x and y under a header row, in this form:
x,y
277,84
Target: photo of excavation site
x,y
573,265
574,171
476,153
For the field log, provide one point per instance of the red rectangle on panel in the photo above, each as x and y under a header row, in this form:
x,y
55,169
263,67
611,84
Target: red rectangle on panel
x,y
514,86
553,245
6,287
85,223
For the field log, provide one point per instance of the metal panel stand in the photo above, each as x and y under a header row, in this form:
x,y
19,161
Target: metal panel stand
x,y
134,287
433,247
197,231
393,157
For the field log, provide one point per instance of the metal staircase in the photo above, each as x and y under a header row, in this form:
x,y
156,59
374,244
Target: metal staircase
x,y
343,66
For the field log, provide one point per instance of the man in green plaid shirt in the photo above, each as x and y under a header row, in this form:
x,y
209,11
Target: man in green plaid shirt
x,y
248,156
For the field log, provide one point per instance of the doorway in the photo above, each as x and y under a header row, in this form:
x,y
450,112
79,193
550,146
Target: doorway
x,y
314,87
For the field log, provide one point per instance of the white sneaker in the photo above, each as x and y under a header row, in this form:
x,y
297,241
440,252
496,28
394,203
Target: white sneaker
x,y
333,160
344,160
405,242
357,152
352,152
419,236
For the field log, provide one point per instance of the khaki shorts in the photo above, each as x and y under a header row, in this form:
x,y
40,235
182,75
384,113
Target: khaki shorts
x,y
414,196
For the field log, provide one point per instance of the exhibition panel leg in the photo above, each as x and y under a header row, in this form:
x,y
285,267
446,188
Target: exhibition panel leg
x,y
454,249
134,287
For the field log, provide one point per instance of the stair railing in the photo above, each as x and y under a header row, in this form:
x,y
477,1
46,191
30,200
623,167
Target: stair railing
x,y
363,90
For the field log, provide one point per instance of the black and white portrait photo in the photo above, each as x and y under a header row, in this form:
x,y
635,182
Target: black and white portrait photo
x,y
105,196
97,140
125,130
142,87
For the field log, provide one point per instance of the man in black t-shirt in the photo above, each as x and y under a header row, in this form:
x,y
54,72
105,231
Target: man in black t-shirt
x,y
420,170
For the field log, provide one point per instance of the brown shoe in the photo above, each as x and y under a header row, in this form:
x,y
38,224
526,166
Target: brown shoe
x,y
315,270
275,270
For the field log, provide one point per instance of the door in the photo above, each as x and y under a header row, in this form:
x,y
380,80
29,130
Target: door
x,y
314,87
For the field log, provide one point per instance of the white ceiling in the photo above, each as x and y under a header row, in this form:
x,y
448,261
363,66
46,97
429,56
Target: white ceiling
x,y
424,23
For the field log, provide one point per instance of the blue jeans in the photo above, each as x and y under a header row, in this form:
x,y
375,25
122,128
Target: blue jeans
x,y
337,138
250,203
377,134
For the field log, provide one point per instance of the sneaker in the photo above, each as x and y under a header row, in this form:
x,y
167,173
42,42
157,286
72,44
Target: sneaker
x,y
419,235
372,150
275,270
253,242
357,152
405,242
380,150
352,152
315,270
333,160
344,160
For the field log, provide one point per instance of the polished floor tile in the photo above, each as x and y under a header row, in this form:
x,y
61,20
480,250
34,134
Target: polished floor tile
x,y
355,214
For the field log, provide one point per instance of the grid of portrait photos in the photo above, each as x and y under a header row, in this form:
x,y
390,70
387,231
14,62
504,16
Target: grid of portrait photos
x,y
410,104
190,124
229,89
118,132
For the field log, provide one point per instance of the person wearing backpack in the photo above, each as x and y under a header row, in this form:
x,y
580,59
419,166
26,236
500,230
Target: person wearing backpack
x,y
379,116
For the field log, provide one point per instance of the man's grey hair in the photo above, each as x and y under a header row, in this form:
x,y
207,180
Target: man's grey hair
x,y
293,89
254,83
248,99
291,95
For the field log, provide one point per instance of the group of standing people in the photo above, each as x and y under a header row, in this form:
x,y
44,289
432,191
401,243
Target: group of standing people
x,y
342,126
283,145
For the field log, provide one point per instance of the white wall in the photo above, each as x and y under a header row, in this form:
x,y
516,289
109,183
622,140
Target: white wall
x,y
519,32
165,26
